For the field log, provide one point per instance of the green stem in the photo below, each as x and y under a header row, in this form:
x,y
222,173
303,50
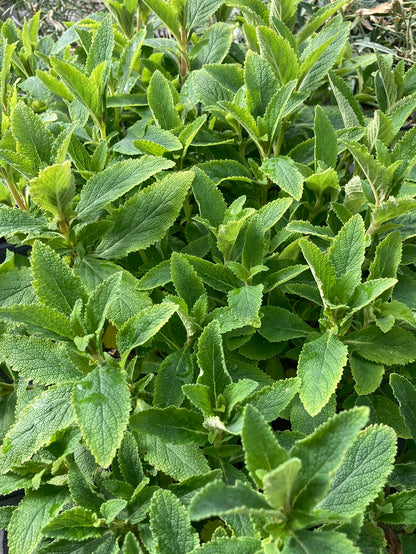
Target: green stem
x,y
14,192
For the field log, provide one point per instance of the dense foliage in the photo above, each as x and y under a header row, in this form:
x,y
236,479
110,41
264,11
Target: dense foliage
x,y
211,345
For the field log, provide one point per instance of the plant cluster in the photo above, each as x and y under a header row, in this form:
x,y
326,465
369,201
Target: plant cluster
x,y
211,345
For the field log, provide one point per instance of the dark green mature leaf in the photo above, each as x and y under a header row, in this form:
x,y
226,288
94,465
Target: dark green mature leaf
x,y
170,525
397,346
146,217
400,509
101,403
175,425
326,148
278,324
405,393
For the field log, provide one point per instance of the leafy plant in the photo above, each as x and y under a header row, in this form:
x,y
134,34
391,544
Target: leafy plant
x,y
211,344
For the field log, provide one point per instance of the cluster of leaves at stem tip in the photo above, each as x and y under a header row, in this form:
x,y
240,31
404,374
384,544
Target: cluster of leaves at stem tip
x,y
210,346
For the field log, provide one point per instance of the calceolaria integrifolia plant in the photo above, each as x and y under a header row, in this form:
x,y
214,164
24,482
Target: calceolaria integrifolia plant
x,y
210,346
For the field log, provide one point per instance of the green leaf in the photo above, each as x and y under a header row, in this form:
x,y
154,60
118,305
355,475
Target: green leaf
x,y
213,46
101,403
210,200
351,111
369,291
54,283
318,19
397,346
270,401
118,179
260,83
400,508
160,100
146,217
111,508
373,170
180,461
157,276
323,452
143,326
346,253
53,190
15,220
187,283
175,425
262,451
244,118
364,470
405,393
321,53
367,375
322,269
217,499
320,360
211,361
326,145
32,514
170,525
80,85
48,413
174,371
285,174
280,483
244,305
214,275
330,542
40,360
233,545
16,287
101,46
387,257
75,524
278,324
279,53
131,545
165,13
34,140
129,460
99,302
273,211
198,11
40,319
282,103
